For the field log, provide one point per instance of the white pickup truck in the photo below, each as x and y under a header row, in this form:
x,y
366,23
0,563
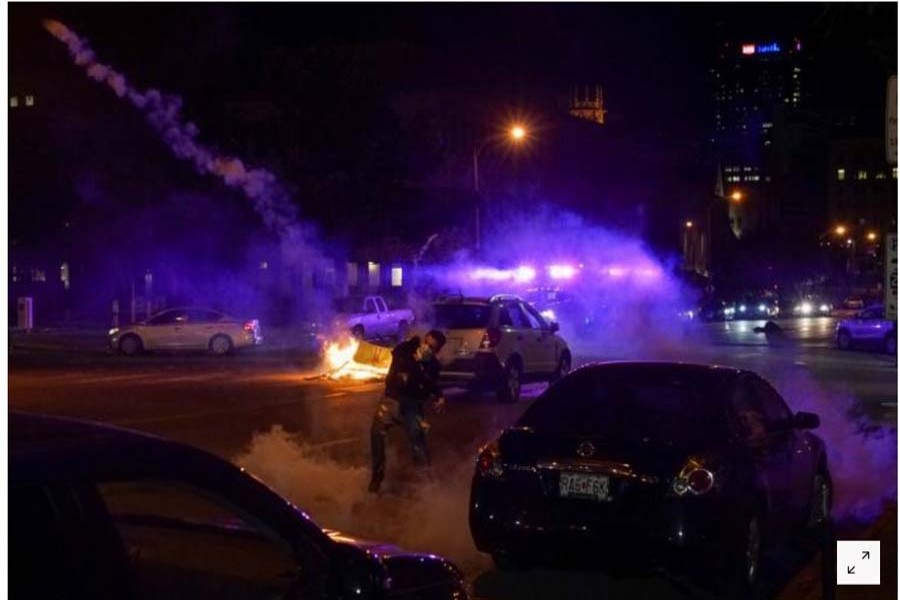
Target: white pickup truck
x,y
369,317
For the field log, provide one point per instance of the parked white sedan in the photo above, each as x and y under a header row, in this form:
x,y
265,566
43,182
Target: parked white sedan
x,y
186,329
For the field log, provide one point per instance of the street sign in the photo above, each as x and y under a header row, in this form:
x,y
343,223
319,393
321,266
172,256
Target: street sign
x,y
890,129
890,277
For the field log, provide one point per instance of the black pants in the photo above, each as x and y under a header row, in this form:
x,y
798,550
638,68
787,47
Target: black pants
x,y
410,416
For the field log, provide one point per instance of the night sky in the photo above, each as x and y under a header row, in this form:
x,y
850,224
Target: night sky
x,y
652,60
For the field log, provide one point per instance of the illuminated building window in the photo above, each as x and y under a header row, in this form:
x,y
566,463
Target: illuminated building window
x,y
841,174
747,169
397,277
374,275
894,172
862,175
880,175
13,101
29,100
352,274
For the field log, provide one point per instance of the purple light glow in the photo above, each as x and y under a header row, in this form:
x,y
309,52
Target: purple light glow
x,y
561,271
616,272
525,274
491,274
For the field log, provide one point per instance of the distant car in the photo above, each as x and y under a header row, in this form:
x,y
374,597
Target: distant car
x,y
369,317
497,343
717,310
753,308
186,329
848,307
812,307
101,512
867,328
559,306
672,463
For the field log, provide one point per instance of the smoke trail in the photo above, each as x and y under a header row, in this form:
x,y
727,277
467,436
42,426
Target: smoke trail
x,y
163,111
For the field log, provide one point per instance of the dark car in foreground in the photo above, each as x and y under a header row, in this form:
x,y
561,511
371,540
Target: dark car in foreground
x,y
100,512
663,464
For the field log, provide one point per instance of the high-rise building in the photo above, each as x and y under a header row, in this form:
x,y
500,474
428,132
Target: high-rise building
x,y
755,85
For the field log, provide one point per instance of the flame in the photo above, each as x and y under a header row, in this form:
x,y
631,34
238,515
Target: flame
x,y
340,362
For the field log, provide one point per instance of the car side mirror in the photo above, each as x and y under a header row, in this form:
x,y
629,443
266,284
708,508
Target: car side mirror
x,y
554,326
806,420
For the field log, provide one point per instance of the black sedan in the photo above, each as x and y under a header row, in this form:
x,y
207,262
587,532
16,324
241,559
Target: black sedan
x,y
663,464
99,512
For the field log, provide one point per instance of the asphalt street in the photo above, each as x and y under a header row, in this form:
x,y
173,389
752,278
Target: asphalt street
x,y
308,436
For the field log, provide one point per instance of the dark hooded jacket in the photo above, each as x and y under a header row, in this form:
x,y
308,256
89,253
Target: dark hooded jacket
x,y
421,378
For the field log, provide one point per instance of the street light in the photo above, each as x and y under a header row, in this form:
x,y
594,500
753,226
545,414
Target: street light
x,y
737,196
840,230
517,134
689,224
871,236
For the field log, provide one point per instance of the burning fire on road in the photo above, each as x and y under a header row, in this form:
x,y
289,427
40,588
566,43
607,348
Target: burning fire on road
x,y
350,358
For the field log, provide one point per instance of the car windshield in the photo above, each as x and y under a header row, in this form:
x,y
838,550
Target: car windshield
x,y
638,407
461,316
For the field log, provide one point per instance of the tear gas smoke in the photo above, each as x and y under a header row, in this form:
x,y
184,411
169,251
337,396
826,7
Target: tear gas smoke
x,y
269,197
599,284
429,517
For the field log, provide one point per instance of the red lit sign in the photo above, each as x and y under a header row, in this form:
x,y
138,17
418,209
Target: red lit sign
x,y
748,49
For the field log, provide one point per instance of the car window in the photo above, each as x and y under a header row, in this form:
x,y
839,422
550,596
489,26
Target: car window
x,y
504,320
536,320
778,415
204,316
168,317
462,316
189,542
664,410
380,305
369,306
517,316
746,413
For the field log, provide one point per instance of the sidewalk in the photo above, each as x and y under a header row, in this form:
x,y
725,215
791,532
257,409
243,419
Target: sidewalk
x,y
93,339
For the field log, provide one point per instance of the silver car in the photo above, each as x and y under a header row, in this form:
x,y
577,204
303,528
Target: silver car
x,y
867,328
186,329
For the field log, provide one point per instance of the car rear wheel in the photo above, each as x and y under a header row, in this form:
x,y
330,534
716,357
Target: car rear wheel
x,y
563,368
844,341
820,501
220,345
743,571
512,385
131,345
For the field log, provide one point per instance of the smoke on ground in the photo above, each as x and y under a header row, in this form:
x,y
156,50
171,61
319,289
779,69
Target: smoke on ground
x,y
427,516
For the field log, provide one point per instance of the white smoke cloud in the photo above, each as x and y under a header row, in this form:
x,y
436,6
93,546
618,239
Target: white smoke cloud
x,y
163,111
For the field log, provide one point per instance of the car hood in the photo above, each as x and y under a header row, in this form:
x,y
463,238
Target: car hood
x,y
408,571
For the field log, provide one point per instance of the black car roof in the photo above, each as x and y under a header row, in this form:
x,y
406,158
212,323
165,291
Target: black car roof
x,y
648,370
44,447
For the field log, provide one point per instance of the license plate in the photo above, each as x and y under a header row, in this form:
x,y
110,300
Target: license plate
x,y
579,485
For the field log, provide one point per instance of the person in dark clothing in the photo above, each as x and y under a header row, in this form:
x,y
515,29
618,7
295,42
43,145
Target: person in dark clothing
x,y
411,381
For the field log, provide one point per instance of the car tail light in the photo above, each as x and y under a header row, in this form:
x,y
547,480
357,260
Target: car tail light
x,y
491,338
694,479
249,326
488,464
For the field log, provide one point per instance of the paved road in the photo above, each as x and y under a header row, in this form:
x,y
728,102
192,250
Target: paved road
x,y
308,437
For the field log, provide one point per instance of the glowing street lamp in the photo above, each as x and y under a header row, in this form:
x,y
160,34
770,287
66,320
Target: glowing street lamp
x,y
737,196
516,134
840,230
871,236
689,224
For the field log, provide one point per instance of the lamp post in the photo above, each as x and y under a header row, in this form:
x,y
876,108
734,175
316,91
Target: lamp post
x,y
517,134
